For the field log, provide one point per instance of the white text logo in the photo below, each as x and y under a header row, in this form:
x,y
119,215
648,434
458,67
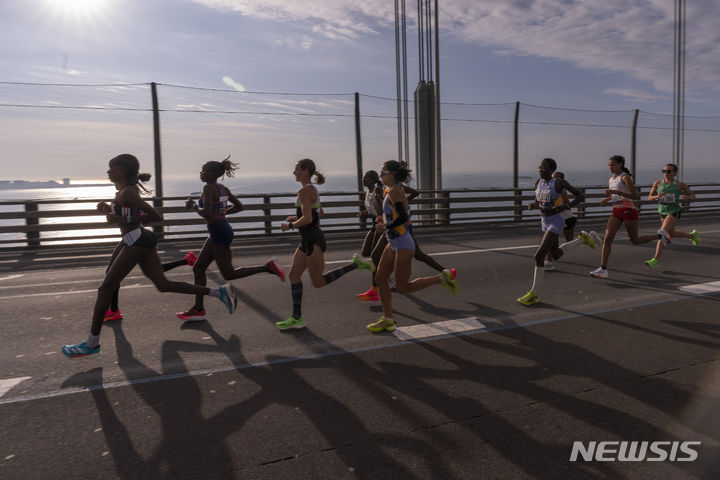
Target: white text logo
x,y
625,451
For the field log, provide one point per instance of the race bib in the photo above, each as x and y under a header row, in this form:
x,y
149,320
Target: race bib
x,y
543,199
668,199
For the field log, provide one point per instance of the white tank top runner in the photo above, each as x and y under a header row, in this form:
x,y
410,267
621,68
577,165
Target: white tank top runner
x,y
616,183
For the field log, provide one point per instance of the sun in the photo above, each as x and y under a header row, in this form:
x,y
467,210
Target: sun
x,y
78,10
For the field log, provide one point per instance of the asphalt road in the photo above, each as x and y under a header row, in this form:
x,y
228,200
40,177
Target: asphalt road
x,y
630,358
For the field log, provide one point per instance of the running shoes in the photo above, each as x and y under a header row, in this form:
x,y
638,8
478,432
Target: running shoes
x,y
653,262
587,239
694,238
383,324
79,350
548,265
599,273
190,258
291,322
529,298
111,315
275,269
370,296
192,315
447,280
229,297
362,264
596,238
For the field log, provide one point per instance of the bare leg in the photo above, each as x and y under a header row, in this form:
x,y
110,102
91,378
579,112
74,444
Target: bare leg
x,y
122,265
403,269
385,269
223,259
204,259
425,258
612,227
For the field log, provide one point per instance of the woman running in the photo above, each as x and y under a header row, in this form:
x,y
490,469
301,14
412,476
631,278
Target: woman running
x,y
129,211
309,255
213,206
381,242
667,193
373,207
621,191
570,222
549,199
400,250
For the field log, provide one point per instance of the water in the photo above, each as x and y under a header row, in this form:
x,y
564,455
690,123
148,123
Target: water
x,y
260,184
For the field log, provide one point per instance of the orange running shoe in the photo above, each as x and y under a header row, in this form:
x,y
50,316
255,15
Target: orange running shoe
x,y
370,296
111,315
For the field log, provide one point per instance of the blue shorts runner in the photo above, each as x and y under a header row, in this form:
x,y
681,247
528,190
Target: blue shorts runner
x,y
554,223
221,233
403,242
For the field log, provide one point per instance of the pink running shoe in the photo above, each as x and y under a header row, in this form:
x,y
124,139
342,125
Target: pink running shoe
x,y
111,315
190,258
453,273
370,296
192,315
275,269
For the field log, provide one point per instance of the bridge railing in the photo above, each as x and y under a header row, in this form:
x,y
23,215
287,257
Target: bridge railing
x,y
35,223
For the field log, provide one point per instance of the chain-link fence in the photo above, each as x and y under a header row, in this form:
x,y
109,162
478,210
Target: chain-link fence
x,y
70,131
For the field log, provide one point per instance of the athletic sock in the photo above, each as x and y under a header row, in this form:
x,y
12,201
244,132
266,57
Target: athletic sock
x,y
93,341
296,289
214,292
171,265
333,275
114,303
537,278
571,243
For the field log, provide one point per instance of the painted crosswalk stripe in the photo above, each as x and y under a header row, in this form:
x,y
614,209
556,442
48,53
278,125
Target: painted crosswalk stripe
x,y
8,383
447,327
702,288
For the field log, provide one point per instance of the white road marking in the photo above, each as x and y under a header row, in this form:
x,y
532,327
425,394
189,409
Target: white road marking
x,y
10,277
8,383
702,288
447,327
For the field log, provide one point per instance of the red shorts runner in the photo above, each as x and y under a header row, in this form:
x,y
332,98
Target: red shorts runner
x,y
625,213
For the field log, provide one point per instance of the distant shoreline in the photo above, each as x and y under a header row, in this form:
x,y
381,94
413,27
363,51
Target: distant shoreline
x,y
25,184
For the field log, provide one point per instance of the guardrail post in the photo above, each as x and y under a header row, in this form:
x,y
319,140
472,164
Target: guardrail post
x,y
267,211
580,209
33,237
444,217
518,204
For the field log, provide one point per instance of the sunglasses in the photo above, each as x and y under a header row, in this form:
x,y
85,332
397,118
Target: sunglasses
x,y
668,171
385,172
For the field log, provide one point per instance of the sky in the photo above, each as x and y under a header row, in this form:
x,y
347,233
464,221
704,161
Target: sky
x,y
579,54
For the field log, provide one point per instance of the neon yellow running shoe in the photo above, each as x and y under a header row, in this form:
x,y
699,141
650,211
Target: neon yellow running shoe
x,y
587,239
291,322
381,325
653,262
362,264
448,281
694,238
529,298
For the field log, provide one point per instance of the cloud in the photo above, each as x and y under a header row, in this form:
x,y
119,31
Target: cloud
x,y
634,38
634,95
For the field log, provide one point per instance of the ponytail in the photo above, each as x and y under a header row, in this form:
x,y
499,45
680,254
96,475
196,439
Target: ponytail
x,y
309,165
132,168
621,160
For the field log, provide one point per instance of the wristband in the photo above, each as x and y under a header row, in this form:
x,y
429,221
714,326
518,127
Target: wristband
x,y
195,207
292,225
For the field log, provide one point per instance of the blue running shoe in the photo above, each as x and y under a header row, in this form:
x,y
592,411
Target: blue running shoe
x,y
229,297
79,350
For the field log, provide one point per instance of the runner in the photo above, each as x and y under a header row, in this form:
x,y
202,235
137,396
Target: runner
x,y
213,208
400,249
570,222
667,193
381,243
129,212
373,207
621,191
309,255
549,199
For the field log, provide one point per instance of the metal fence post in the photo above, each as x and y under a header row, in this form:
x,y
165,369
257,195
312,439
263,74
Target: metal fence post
x,y
516,166
358,155
157,201
267,211
33,237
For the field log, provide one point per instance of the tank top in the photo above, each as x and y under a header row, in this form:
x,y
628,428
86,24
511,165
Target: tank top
x,y
370,197
670,202
315,214
220,207
546,194
390,214
123,210
616,183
